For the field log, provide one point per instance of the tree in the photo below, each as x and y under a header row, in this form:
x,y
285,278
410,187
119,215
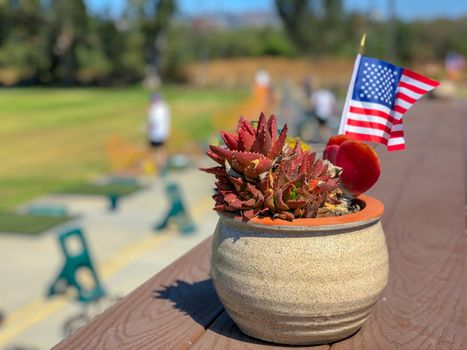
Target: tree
x,y
68,30
316,26
296,16
156,18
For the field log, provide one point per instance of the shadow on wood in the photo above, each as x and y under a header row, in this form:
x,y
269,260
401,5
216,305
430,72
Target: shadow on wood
x,y
191,299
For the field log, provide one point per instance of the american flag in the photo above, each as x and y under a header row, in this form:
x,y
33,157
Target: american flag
x,y
379,95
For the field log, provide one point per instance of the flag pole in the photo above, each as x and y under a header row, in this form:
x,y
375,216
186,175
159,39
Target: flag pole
x,y
360,50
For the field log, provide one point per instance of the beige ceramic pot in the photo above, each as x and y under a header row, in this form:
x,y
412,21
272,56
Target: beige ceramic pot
x,y
309,281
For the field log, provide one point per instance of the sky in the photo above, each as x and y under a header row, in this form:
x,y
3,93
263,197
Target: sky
x,y
405,9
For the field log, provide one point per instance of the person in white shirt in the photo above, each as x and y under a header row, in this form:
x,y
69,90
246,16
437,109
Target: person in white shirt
x,y
324,107
158,129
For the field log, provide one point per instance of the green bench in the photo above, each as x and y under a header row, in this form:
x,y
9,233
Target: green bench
x,y
67,276
177,211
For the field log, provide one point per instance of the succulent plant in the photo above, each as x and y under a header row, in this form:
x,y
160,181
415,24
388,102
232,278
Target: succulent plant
x,y
359,162
259,174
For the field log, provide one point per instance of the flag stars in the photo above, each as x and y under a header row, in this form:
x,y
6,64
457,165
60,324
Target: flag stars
x,y
376,83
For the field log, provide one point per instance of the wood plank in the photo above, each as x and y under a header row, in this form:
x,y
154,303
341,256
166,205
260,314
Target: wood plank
x,y
170,311
464,122
423,190
224,334
464,113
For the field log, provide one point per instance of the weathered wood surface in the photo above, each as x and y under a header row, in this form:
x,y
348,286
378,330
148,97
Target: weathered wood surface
x,y
224,334
422,306
423,191
169,311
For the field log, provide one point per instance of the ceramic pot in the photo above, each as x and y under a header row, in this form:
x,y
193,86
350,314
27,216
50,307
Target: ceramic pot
x,y
309,281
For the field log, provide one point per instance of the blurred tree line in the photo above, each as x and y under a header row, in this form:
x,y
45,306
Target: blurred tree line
x,y
323,27
60,42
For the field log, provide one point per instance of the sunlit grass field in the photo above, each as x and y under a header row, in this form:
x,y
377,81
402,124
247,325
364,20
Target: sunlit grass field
x,y
55,138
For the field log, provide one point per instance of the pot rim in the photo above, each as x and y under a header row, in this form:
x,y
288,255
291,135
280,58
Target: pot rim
x,y
372,211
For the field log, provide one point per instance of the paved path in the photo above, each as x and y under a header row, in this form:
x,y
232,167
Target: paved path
x,y
125,249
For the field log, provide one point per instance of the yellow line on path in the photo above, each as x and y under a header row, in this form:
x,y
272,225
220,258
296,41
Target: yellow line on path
x,y
40,308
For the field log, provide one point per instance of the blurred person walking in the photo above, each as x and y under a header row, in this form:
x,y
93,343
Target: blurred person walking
x,y
158,129
324,108
263,92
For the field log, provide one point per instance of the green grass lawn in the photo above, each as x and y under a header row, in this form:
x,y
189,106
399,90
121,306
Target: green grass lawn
x,y
103,190
29,224
52,139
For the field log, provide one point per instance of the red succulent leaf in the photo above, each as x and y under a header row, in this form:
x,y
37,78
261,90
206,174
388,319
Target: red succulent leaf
x,y
317,169
262,123
328,186
360,165
230,197
272,128
222,152
286,215
288,190
263,141
231,140
249,163
337,140
223,185
278,145
311,209
248,127
215,157
269,200
244,124
296,204
330,153
224,207
258,168
238,183
280,204
292,165
217,170
263,184
307,162
256,193
218,198
248,203
239,204
246,138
